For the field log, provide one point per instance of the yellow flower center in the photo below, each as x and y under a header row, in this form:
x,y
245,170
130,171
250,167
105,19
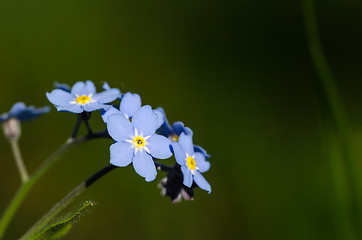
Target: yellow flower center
x,y
174,138
190,161
83,99
139,142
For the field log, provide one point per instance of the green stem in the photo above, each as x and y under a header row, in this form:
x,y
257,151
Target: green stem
x,y
336,110
27,186
19,160
339,195
67,200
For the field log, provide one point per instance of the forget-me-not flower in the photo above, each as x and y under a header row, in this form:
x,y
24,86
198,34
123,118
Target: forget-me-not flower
x,y
136,142
192,163
173,132
82,97
23,113
130,104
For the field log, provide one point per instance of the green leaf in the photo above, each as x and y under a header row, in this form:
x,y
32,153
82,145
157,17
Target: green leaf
x,y
58,228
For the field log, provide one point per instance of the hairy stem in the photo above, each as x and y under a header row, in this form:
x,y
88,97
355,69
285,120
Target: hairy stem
x,y
44,167
67,199
76,192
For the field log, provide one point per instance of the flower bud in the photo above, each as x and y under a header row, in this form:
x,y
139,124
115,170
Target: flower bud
x,y
12,129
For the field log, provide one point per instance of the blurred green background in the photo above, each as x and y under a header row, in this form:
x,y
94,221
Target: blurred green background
x,y
237,72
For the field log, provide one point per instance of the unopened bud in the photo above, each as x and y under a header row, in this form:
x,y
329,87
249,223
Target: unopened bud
x,y
12,129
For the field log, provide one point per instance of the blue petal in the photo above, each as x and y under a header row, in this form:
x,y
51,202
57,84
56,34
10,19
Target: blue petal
x,y
145,121
119,127
180,154
187,176
159,147
130,104
107,96
201,163
186,143
201,182
178,128
165,129
121,154
78,88
160,118
74,108
201,150
17,108
89,88
60,98
42,110
188,131
144,165
93,106
106,114
31,112
106,86
82,88
62,86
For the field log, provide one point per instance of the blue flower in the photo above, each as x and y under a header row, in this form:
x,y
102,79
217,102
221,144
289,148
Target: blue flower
x,y
192,163
136,142
82,97
173,132
23,113
130,104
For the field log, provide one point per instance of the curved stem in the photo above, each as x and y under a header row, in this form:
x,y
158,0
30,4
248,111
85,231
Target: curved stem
x,y
76,192
337,115
68,199
44,167
19,160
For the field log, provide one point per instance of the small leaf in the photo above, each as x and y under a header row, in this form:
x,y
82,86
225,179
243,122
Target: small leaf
x,y
58,228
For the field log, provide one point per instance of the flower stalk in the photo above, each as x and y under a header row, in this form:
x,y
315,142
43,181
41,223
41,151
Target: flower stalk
x,y
44,167
54,211
19,160
68,199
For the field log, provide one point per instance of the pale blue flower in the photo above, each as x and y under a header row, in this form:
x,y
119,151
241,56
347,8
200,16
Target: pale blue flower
x,y
136,142
130,104
192,163
82,97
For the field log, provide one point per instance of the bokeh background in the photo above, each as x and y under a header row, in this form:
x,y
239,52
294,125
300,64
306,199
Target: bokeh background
x,y
237,72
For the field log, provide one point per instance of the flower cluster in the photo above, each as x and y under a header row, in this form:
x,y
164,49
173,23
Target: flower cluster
x,y
141,135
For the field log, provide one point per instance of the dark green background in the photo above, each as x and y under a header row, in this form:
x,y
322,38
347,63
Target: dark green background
x,y
237,72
